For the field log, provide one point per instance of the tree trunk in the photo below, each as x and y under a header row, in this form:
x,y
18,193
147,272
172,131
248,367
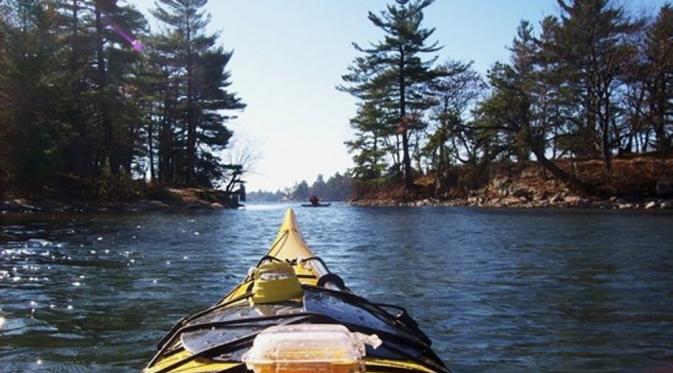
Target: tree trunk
x,y
82,162
191,120
396,156
406,160
605,138
102,87
571,181
659,120
166,140
150,142
74,52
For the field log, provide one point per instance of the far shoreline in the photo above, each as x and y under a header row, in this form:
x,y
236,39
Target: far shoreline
x,y
560,203
167,199
23,207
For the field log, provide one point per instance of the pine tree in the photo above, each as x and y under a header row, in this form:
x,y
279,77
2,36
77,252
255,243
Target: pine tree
x,y
198,85
395,67
28,93
454,93
512,113
85,106
658,77
368,146
593,44
300,191
81,146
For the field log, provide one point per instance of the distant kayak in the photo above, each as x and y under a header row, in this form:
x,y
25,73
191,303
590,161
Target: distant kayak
x,y
318,205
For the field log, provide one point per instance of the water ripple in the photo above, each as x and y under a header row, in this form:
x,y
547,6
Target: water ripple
x,y
495,289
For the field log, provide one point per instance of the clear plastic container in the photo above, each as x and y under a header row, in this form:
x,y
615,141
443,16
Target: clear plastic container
x,y
319,348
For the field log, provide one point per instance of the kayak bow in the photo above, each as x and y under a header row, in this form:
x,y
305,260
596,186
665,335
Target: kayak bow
x,y
291,314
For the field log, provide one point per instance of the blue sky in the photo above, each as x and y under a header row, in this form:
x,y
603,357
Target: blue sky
x,y
290,54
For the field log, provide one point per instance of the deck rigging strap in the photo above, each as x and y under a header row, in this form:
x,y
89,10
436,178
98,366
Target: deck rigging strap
x,y
296,318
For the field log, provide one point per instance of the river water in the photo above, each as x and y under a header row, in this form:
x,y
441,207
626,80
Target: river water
x,y
496,290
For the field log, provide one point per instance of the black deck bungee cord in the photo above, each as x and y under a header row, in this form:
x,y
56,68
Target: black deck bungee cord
x,y
296,318
420,341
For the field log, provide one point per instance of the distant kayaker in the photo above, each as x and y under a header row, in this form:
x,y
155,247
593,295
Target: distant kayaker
x,y
315,201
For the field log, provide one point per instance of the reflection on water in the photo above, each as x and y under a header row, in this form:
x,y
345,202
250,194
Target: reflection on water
x,y
495,290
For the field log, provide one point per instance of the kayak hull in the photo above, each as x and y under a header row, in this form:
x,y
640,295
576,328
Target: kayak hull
x,y
196,343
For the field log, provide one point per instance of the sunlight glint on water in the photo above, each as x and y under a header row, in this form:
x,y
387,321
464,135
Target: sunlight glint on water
x,y
495,290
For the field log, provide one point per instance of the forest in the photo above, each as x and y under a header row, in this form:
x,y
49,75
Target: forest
x,y
93,104
591,83
336,188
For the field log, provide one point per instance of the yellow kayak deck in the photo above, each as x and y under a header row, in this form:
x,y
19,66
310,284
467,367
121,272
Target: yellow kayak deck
x,y
288,246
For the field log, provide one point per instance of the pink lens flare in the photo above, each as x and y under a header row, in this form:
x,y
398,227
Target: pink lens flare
x,y
136,44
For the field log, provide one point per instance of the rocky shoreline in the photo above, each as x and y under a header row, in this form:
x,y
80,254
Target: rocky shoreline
x,y
560,202
528,192
171,199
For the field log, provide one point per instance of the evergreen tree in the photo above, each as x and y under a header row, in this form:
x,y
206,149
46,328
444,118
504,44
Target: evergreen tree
x,y
300,192
101,52
658,77
197,68
451,140
395,67
593,44
83,99
319,187
369,146
514,112
28,92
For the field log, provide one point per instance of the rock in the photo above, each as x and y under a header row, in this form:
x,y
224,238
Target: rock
x,y
10,206
664,187
501,182
52,205
522,192
620,201
19,205
556,199
477,192
502,185
602,205
459,202
510,201
624,206
572,200
651,205
666,205
530,172
475,200
584,203
157,204
197,205
145,205
542,203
